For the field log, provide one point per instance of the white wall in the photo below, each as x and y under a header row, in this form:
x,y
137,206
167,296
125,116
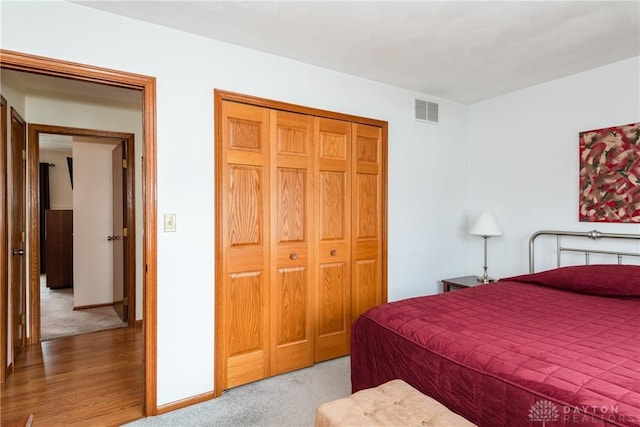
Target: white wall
x,y
92,223
60,192
523,157
428,185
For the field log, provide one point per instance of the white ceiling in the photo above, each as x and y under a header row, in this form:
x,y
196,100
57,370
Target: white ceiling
x,y
459,50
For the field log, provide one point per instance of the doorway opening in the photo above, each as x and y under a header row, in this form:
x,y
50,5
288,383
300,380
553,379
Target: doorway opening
x,y
147,85
87,253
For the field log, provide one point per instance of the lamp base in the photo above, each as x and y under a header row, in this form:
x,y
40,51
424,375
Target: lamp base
x,y
485,279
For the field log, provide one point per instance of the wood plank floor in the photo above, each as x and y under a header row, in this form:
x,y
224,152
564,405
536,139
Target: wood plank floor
x,y
85,380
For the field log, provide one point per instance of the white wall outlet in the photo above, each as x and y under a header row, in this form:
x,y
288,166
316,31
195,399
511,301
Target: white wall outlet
x,y
169,222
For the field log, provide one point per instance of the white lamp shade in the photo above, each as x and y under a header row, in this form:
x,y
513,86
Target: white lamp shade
x,y
485,225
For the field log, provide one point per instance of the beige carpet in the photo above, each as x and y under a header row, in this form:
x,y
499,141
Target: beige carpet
x,y
59,319
286,400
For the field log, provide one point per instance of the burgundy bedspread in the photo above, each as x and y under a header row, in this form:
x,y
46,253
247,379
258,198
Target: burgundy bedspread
x,y
509,354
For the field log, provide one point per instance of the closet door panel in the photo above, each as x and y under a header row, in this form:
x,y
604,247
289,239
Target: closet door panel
x,y
245,196
366,198
246,339
364,288
292,205
333,195
292,344
333,301
333,141
366,284
245,247
291,298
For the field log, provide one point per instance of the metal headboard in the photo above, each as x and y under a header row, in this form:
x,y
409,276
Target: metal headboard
x,y
593,235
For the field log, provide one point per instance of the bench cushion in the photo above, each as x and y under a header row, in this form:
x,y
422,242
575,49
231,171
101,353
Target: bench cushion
x,y
395,403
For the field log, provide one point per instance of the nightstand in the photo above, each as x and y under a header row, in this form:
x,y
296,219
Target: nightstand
x,y
460,282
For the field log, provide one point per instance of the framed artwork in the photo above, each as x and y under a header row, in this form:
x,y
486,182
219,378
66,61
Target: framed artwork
x,y
610,174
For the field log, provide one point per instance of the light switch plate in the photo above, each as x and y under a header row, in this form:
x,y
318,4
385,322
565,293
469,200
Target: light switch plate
x,y
169,222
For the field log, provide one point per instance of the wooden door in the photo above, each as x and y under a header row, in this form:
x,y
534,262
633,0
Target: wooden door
x,y
118,236
17,270
244,243
291,175
367,204
300,235
333,292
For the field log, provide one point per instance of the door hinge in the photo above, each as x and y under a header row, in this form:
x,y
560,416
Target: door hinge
x,y
24,154
24,237
125,232
126,301
23,319
124,163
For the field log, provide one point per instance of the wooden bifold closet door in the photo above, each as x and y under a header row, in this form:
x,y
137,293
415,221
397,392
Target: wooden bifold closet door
x,y
300,237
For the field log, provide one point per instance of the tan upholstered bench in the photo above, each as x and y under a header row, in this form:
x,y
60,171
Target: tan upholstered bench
x,y
395,403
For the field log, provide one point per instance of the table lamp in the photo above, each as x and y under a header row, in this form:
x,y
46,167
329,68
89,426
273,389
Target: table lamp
x,y
485,226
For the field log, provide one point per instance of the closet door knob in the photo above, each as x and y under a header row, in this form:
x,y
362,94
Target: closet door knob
x,y
293,257
333,252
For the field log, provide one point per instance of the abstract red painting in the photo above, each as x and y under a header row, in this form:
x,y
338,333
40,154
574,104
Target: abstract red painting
x,y
610,174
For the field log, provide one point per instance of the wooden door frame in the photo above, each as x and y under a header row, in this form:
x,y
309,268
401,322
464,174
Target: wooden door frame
x,y
15,116
33,159
220,96
4,242
53,67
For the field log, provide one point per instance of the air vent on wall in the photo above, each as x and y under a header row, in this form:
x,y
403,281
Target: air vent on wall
x,y
426,111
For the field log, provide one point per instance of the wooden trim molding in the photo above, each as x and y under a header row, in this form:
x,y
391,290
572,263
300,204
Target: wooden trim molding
x,y
218,353
150,250
16,118
221,95
90,306
385,208
4,243
34,209
36,64
183,403
33,235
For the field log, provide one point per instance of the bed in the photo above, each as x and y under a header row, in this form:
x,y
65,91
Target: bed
x,y
560,347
